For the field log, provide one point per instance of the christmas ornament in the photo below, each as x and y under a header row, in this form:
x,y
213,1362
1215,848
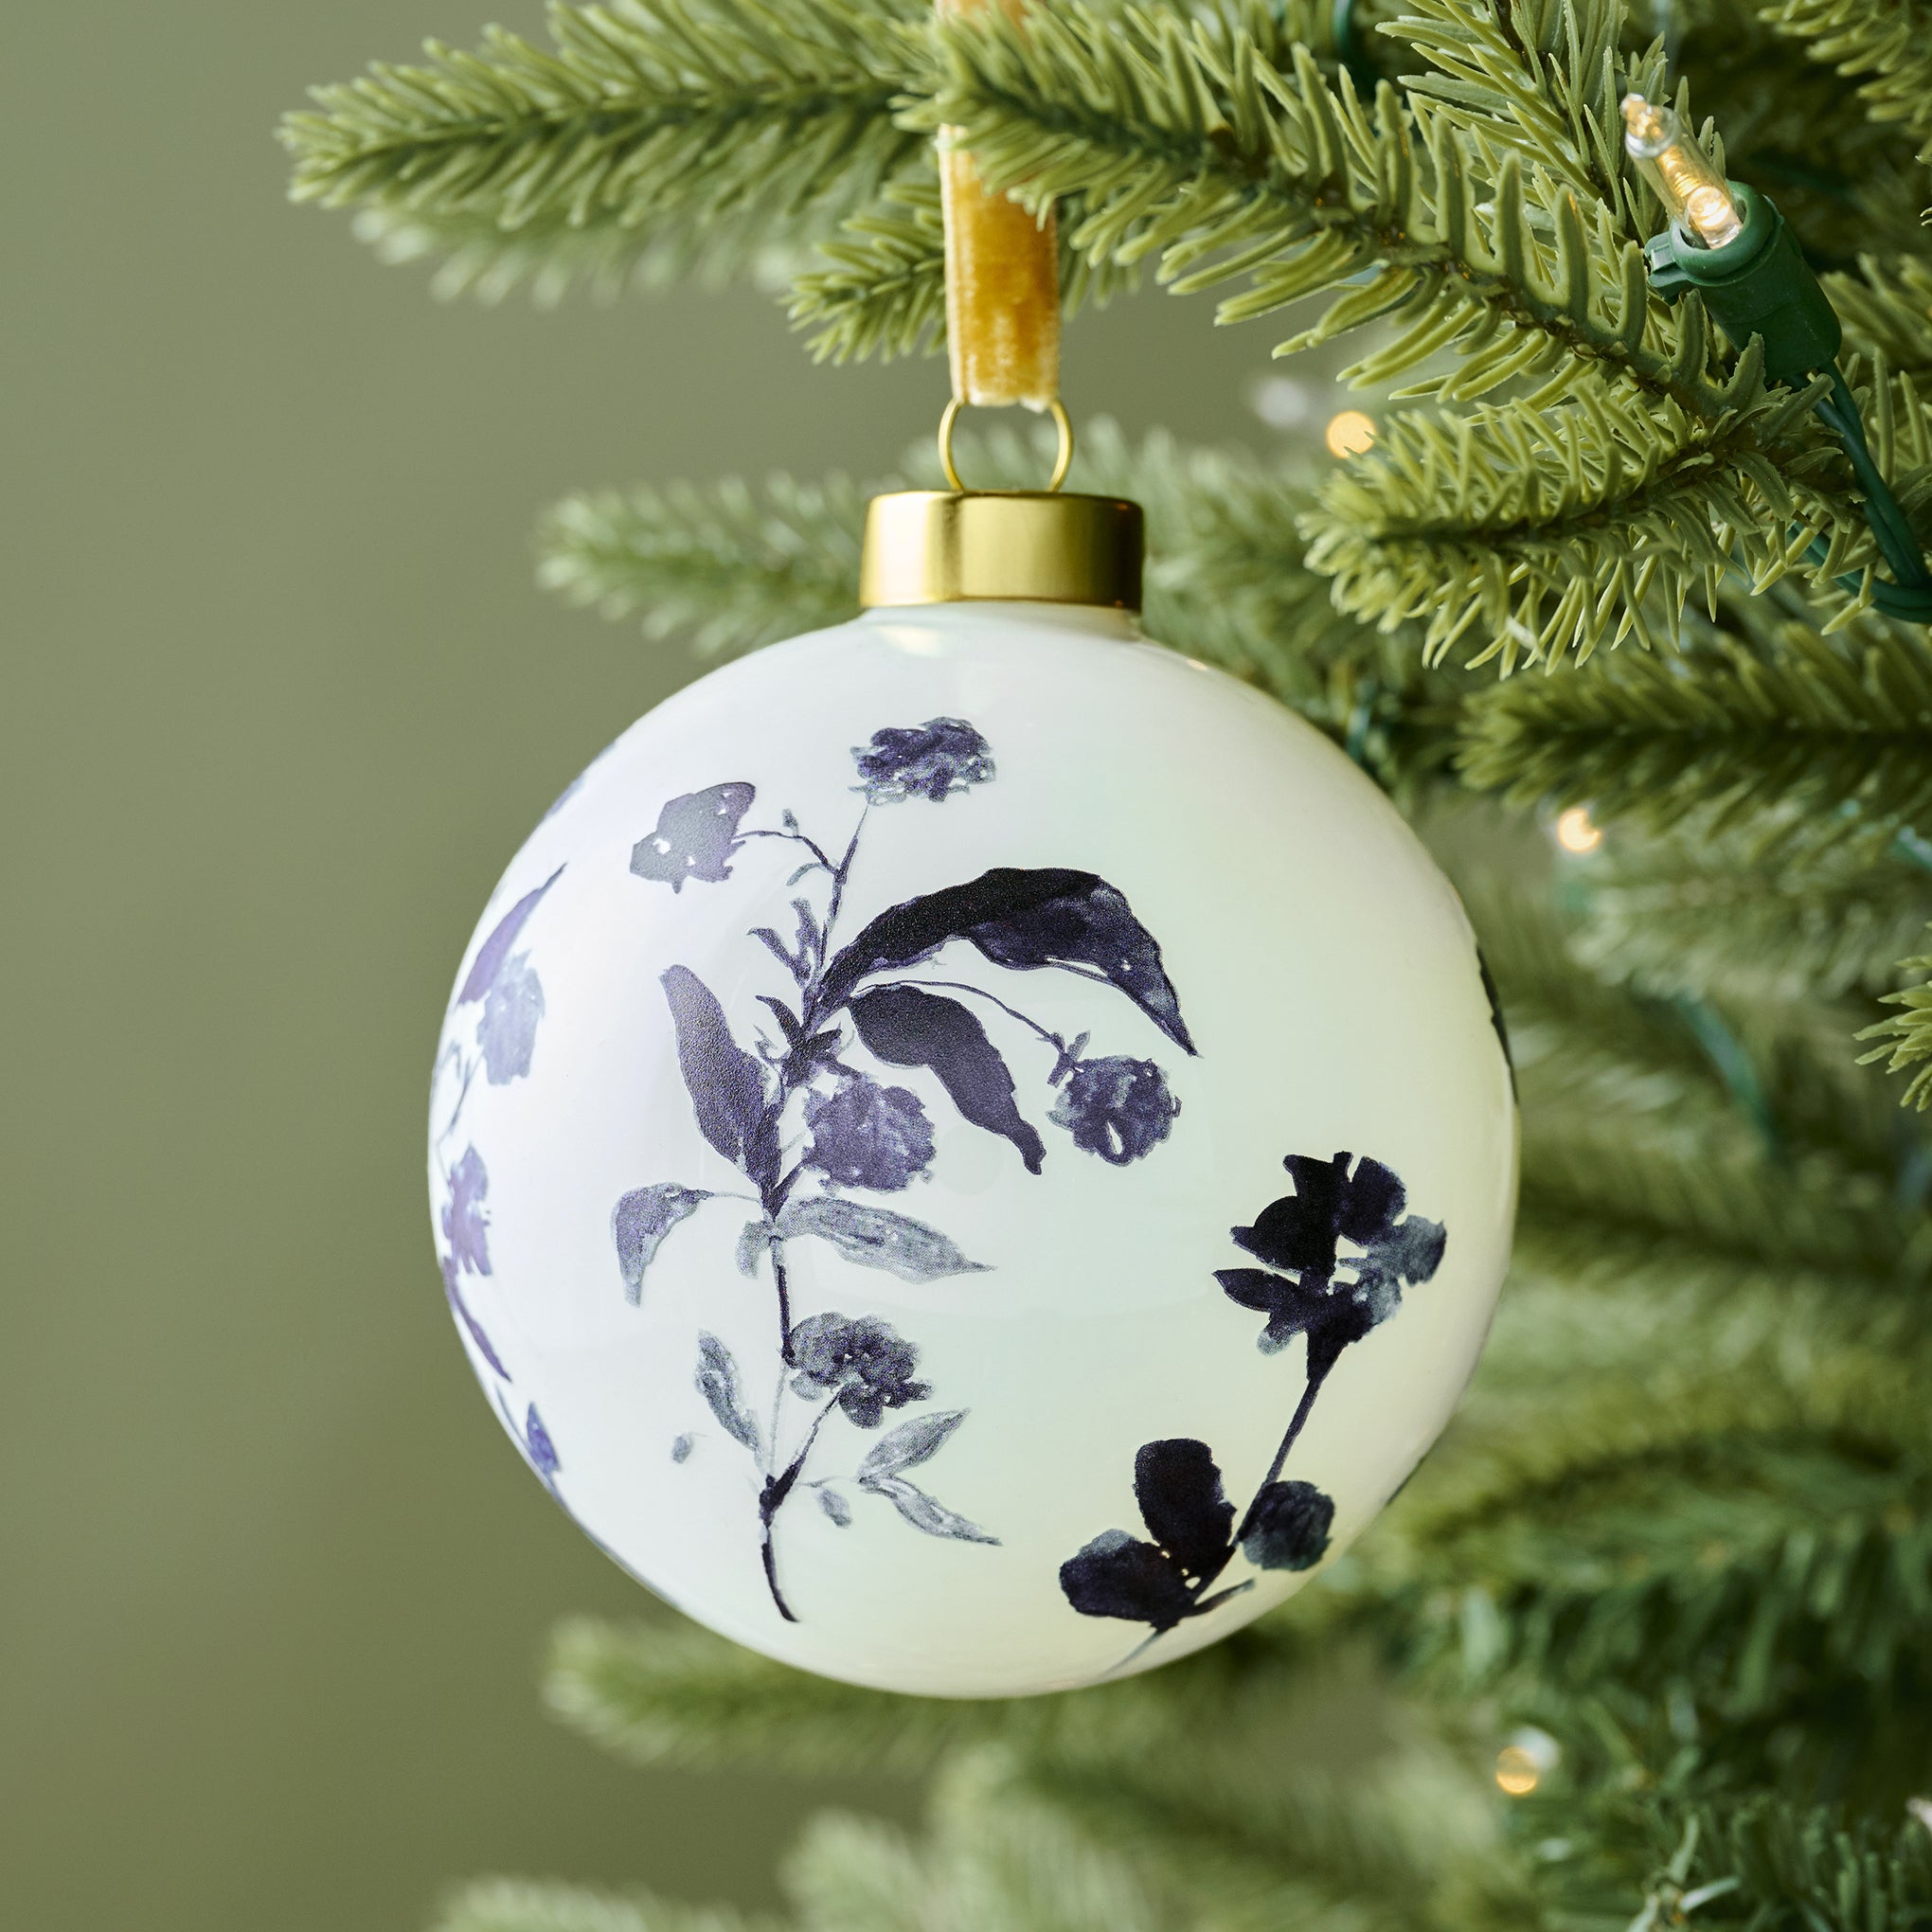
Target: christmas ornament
x,y
973,1154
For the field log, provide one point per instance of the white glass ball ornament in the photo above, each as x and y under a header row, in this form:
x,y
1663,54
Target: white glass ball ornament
x,y
973,1154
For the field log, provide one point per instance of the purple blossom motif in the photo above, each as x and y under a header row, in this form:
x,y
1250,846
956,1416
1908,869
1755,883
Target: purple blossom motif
x,y
1288,1527
1341,1248
695,836
1165,1580
512,996
775,1095
1345,1250
507,1031
929,761
1117,1108
866,1363
464,1223
868,1135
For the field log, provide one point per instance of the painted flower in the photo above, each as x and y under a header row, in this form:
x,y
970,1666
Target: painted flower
x,y
1345,1250
1117,1108
866,1362
868,1135
464,1223
929,761
1288,1527
507,1031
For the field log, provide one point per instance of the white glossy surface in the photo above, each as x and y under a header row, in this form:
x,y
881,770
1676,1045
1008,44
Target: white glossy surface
x,y
1329,981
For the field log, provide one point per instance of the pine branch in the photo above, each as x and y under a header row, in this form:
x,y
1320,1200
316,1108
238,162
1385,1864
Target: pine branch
x,y
1886,310
1778,727
1199,152
1907,1037
1746,1567
1889,40
681,1695
987,1859
693,123
884,294
1542,77
1666,459
1239,1837
730,567
1690,915
1798,1868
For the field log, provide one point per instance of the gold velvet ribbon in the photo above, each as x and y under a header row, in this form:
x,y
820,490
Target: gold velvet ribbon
x,y
1002,278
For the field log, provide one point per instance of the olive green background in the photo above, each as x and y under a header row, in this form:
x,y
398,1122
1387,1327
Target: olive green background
x,y
279,700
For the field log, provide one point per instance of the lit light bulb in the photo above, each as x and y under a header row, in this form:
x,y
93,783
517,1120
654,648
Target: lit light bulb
x,y
1349,433
1575,831
1694,195
1526,1760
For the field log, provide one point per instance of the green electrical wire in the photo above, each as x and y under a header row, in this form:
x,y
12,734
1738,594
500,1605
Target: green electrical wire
x,y
1909,596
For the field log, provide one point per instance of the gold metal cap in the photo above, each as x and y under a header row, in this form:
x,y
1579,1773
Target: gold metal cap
x,y
1029,546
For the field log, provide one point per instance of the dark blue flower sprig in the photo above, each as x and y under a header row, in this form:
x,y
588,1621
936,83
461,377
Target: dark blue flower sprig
x,y
504,984
810,1131
1341,1248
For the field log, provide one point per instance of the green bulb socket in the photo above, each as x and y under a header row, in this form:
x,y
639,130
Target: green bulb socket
x,y
1755,285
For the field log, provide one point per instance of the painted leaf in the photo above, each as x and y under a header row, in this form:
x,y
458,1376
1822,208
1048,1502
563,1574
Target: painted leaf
x,y
695,836
876,1238
1179,1488
717,1382
461,1309
837,1507
542,1452
1118,1575
923,1512
496,949
507,1031
640,1221
911,1443
728,1093
753,1239
904,1026
1023,919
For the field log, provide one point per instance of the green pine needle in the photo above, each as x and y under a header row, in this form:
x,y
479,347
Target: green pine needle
x,y
696,125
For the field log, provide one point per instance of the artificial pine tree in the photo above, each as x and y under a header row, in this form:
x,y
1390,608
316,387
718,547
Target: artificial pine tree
x,y
1674,1560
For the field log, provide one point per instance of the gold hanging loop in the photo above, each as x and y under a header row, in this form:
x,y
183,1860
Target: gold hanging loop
x,y
1062,460
1002,288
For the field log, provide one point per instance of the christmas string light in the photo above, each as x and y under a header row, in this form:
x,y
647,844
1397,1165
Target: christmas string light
x,y
1729,242
1692,192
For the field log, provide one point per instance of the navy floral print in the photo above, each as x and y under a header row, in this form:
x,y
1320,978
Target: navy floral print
x,y
868,1135
1340,1248
1119,1109
866,1363
812,1133
929,761
504,994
